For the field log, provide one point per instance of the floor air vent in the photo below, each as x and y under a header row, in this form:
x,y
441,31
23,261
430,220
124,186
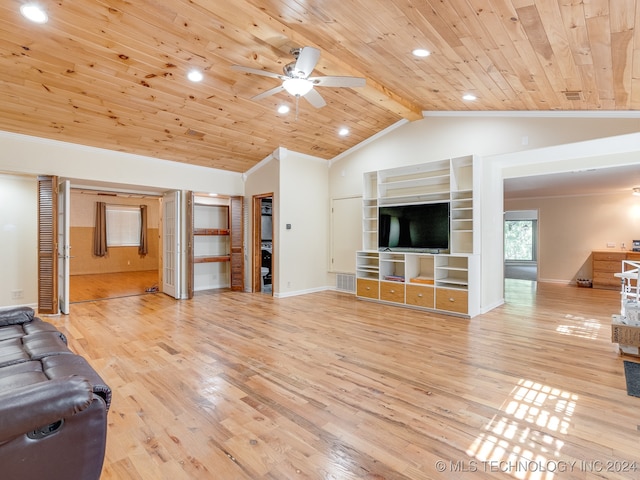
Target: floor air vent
x,y
346,282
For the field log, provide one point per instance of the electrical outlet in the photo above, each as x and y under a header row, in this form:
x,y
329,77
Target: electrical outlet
x,y
16,294
611,244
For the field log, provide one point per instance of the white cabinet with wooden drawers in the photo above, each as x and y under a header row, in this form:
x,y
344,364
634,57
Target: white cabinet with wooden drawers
x,y
438,282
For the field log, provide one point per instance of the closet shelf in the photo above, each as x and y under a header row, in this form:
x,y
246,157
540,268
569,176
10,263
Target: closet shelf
x,y
213,259
211,231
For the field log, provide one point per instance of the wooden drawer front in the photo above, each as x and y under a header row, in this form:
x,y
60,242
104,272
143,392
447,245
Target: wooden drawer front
x,y
605,276
392,292
605,279
452,300
607,266
367,288
420,296
609,256
633,256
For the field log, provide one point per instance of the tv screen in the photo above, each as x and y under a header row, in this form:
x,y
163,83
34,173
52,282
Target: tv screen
x,y
414,227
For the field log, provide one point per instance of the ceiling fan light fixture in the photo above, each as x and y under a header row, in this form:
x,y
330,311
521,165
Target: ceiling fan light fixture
x,y
34,12
298,87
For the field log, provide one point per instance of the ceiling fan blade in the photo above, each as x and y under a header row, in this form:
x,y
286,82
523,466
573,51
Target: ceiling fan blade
x,y
307,60
315,99
255,71
330,81
268,93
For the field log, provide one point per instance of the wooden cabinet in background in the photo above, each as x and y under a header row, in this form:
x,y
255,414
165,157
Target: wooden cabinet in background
x,y
606,263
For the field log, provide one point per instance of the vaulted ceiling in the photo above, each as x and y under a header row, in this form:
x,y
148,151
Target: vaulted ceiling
x,y
112,74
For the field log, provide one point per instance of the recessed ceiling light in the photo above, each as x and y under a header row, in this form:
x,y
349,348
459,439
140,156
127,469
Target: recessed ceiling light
x,y
421,52
195,75
343,132
469,97
34,12
283,109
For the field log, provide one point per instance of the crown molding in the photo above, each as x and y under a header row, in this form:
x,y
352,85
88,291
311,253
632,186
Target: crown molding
x,y
538,114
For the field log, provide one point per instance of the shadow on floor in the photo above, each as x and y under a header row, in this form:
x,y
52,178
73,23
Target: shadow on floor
x,y
521,272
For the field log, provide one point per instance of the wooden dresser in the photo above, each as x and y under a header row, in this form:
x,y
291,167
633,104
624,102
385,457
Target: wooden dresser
x,y
608,262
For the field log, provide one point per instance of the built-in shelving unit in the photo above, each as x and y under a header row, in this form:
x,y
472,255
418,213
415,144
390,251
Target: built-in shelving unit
x,y
211,243
445,281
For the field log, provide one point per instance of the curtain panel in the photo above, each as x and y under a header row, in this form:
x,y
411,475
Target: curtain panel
x,y
143,248
100,233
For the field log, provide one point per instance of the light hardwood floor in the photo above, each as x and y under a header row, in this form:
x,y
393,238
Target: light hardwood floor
x,y
245,386
110,285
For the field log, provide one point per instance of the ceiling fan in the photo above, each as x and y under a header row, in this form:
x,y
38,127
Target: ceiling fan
x,y
297,80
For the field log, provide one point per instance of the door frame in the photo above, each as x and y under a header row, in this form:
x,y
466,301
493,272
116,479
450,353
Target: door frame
x,y
256,284
64,217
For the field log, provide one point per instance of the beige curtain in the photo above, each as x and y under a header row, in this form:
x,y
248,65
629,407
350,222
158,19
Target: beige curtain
x,y
143,248
100,233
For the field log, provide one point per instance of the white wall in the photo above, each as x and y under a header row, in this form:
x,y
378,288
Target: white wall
x,y
304,186
32,156
440,137
299,184
302,258
18,241
263,179
507,144
37,156
570,228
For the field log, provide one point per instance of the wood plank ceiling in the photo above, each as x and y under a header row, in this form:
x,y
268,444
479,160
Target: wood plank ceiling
x,y
112,74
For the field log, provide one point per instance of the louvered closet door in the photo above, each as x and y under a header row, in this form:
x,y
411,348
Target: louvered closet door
x,y
47,248
236,217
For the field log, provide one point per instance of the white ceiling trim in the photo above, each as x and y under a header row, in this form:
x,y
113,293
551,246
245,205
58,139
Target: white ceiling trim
x,y
539,114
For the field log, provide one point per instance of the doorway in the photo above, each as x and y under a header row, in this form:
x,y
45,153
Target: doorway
x,y
521,245
124,270
263,238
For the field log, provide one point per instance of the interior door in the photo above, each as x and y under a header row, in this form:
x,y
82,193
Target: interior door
x,y
346,231
171,244
190,271
64,248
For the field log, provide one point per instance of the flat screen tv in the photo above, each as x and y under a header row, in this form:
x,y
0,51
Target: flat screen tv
x,y
422,227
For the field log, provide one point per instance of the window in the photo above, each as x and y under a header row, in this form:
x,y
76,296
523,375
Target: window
x,y
519,240
123,226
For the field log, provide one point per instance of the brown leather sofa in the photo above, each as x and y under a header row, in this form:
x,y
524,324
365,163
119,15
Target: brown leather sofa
x,y
53,404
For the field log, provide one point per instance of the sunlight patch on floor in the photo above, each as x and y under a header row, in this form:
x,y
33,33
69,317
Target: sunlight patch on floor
x,y
581,327
525,441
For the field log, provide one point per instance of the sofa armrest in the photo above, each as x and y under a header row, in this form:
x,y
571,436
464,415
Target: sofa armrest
x,y
15,316
28,408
